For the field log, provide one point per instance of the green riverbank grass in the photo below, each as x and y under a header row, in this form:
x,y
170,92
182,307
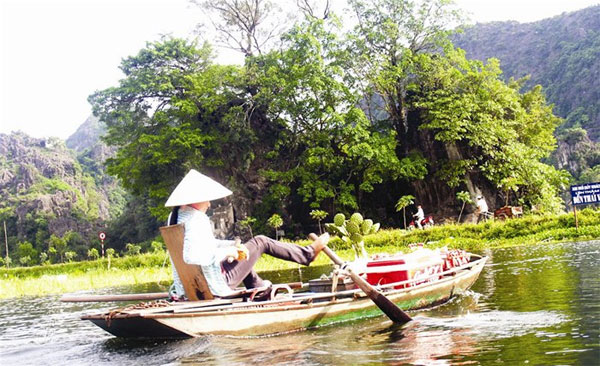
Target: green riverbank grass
x,y
148,268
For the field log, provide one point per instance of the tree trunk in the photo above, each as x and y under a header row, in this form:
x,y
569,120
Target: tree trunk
x,y
461,211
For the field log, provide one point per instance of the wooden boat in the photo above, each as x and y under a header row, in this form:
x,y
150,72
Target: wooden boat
x,y
287,312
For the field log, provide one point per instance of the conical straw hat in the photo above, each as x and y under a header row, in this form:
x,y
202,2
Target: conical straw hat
x,y
196,187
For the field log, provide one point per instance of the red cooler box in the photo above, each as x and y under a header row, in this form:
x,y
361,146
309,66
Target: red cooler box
x,y
422,263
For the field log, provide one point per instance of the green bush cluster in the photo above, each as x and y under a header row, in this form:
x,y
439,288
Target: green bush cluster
x,y
473,237
523,231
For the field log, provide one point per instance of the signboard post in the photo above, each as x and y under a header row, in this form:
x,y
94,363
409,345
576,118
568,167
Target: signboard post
x,y
102,236
584,194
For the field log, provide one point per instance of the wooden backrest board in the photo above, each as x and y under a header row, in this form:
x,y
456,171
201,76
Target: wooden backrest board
x,y
191,276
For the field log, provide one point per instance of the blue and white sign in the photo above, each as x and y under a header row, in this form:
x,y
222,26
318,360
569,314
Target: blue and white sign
x,y
585,194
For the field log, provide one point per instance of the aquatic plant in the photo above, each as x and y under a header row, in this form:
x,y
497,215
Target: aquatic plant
x,y
352,231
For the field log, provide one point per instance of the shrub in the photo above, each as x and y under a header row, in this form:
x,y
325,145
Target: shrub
x,y
93,254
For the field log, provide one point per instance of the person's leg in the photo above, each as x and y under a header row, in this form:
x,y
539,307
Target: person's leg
x,y
238,271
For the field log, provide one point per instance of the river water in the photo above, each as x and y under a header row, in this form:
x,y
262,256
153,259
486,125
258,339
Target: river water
x,y
537,305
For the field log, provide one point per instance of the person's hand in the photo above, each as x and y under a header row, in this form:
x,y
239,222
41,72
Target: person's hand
x,y
242,252
237,252
232,254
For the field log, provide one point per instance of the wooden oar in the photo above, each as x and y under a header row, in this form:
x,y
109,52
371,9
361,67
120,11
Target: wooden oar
x,y
389,308
123,297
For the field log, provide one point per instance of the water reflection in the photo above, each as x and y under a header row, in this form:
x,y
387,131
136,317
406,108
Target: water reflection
x,y
536,305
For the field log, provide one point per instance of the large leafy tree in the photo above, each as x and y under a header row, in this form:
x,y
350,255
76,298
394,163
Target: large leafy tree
x,y
331,153
174,110
471,128
388,37
504,134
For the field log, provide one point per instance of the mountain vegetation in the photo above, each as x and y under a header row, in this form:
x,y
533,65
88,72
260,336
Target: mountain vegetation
x,y
52,204
563,55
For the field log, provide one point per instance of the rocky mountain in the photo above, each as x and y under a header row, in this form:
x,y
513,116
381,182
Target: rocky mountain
x,y
48,189
87,135
561,53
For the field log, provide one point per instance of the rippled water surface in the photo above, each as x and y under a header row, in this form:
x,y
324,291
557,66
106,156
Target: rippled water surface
x,y
531,305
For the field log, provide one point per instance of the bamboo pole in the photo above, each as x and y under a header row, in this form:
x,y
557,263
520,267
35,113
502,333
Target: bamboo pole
x,y
575,213
122,297
6,243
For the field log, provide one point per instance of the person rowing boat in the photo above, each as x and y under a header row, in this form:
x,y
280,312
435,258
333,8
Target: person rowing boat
x,y
224,263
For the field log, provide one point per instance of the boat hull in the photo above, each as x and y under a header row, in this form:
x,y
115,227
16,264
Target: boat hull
x,y
252,319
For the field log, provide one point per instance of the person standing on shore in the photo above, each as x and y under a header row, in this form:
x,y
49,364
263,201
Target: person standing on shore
x,y
482,208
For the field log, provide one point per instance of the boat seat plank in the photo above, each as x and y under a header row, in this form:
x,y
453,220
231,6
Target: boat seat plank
x,y
191,276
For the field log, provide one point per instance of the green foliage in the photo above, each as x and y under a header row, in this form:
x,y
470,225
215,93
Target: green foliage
x,y
275,221
530,230
248,222
26,253
508,132
93,254
150,115
157,247
70,255
25,260
329,119
578,154
318,214
465,198
59,245
110,253
404,202
44,258
331,151
132,249
146,260
562,62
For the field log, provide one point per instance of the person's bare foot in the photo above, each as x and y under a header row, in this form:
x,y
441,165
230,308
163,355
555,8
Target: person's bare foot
x,y
319,243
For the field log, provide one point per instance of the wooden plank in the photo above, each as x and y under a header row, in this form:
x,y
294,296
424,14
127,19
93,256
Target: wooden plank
x,y
191,276
183,305
120,297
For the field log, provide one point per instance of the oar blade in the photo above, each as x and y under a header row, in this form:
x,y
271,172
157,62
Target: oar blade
x,y
388,307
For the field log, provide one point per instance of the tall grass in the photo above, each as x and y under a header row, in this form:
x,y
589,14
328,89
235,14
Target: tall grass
x,y
155,267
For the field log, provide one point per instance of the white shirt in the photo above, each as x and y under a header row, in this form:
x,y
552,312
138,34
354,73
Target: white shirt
x,y
482,205
420,214
202,248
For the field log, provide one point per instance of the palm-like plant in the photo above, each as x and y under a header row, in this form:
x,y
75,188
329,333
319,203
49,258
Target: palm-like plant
x,y
248,222
465,197
318,215
402,203
275,222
